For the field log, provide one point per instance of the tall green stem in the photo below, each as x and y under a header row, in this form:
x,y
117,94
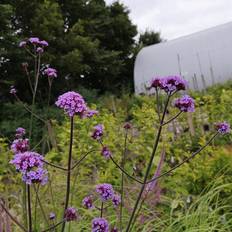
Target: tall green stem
x,y
122,179
29,208
148,167
37,69
68,184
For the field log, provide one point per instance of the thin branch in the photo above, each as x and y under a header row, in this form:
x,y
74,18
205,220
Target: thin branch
x,y
184,161
29,110
81,159
40,204
133,178
54,226
55,166
171,119
13,218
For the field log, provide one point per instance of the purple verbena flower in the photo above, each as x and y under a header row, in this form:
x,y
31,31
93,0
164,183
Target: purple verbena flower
x,y
38,175
169,84
22,44
106,152
127,126
156,83
72,103
100,225
13,90
98,132
27,161
43,43
20,145
223,127
185,104
87,202
105,191
39,50
20,132
90,113
50,72
52,216
116,199
70,214
34,40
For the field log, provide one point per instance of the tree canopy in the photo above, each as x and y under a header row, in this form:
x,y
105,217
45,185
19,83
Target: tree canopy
x,y
91,43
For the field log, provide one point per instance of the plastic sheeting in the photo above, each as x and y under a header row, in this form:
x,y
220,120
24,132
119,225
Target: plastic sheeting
x,y
203,59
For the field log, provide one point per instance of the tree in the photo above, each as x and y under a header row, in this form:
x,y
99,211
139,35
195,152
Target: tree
x,y
149,38
90,42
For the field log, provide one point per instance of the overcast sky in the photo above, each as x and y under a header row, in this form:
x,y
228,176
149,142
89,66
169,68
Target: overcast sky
x,y
175,18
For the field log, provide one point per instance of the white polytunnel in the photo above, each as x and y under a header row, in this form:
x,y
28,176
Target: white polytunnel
x,y
203,59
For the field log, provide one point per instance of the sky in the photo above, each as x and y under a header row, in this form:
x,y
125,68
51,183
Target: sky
x,y
176,18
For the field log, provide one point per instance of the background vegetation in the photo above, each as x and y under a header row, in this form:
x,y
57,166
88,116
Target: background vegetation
x,y
93,46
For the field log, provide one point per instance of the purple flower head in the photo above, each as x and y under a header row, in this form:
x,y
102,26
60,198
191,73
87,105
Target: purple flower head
x,y
50,72
98,132
106,152
13,90
87,202
90,113
39,50
38,175
20,132
116,199
43,43
185,104
114,229
223,127
171,84
34,40
52,216
70,214
22,44
20,145
105,191
27,161
156,83
72,103
127,126
100,225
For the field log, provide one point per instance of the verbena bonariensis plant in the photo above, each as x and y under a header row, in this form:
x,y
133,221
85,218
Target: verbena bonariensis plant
x,y
32,166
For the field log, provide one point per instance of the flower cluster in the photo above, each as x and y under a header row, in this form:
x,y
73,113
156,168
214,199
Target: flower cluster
x,y
36,42
70,214
39,175
100,225
116,199
13,90
106,152
127,126
185,104
223,127
169,84
90,113
105,191
20,132
98,132
30,165
87,202
52,216
50,72
72,103
20,145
